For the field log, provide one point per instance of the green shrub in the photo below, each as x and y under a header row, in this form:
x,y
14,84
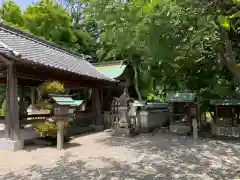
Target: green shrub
x,y
53,87
47,129
44,104
3,108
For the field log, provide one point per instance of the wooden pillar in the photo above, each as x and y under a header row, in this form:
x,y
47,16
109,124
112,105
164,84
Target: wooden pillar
x,y
102,98
86,94
216,116
68,91
97,106
39,95
12,108
33,99
233,113
194,125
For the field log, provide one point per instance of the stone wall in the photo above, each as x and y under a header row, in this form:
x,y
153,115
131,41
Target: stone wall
x,y
180,128
225,131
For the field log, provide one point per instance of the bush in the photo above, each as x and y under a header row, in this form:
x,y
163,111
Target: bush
x,y
44,104
3,108
53,87
47,129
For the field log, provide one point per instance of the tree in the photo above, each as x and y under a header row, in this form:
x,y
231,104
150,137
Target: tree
x,y
11,13
120,33
48,19
168,43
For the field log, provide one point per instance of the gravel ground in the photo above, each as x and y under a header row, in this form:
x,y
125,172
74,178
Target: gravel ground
x,y
103,156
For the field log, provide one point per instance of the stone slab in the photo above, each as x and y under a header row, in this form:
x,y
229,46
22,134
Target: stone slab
x,y
121,131
180,128
10,145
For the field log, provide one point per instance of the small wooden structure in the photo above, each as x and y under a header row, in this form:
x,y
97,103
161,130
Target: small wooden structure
x,y
122,74
226,117
62,112
26,60
184,108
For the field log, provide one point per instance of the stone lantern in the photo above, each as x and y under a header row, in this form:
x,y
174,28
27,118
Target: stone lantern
x,y
62,112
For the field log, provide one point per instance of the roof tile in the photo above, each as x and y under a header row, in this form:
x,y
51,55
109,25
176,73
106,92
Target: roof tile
x,y
32,49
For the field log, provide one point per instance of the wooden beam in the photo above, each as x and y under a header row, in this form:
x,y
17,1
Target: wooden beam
x,y
23,82
70,79
6,60
12,109
33,100
97,104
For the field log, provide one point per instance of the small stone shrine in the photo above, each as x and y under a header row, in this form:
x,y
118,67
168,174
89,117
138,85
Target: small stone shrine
x,y
123,109
62,112
185,112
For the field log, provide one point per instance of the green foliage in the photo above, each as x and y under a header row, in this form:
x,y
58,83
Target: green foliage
x,y
49,20
47,129
3,108
44,104
172,45
11,13
53,87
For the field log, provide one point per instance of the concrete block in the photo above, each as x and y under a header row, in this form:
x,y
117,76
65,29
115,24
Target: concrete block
x,y
180,128
10,145
121,131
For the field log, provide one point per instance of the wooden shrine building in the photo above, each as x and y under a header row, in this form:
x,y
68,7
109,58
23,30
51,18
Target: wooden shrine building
x,y
26,60
226,120
120,72
184,108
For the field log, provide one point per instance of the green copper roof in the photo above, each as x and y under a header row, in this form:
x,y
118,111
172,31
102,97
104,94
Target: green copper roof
x,y
180,97
225,102
111,69
66,100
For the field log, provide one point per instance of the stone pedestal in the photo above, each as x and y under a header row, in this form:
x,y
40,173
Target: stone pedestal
x,y
121,132
195,131
225,131
123,117
180,128
10,145
60,134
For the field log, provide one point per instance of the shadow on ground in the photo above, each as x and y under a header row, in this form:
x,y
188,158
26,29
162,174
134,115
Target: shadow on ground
x,y
67,170
175,157
164,156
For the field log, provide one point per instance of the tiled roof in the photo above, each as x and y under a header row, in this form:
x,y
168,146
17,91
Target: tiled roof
x,y
225,102
35,50
111,69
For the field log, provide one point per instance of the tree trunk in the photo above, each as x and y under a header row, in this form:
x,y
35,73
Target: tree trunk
x,y
136,81
228,57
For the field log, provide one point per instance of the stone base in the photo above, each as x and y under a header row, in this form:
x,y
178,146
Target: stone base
x,y
121,131
145,130
123,125
10,145
97,127
181,129
225,131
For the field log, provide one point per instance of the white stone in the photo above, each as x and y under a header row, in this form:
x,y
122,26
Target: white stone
x,y
10,145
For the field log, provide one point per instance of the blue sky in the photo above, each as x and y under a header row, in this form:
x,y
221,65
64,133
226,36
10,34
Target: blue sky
x,y
22,3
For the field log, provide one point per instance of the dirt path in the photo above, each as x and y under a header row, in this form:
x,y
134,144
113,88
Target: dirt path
x,y
102,156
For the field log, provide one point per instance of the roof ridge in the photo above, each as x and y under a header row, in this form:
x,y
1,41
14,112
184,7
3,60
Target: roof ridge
x,y
108,63
99,71
38,40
